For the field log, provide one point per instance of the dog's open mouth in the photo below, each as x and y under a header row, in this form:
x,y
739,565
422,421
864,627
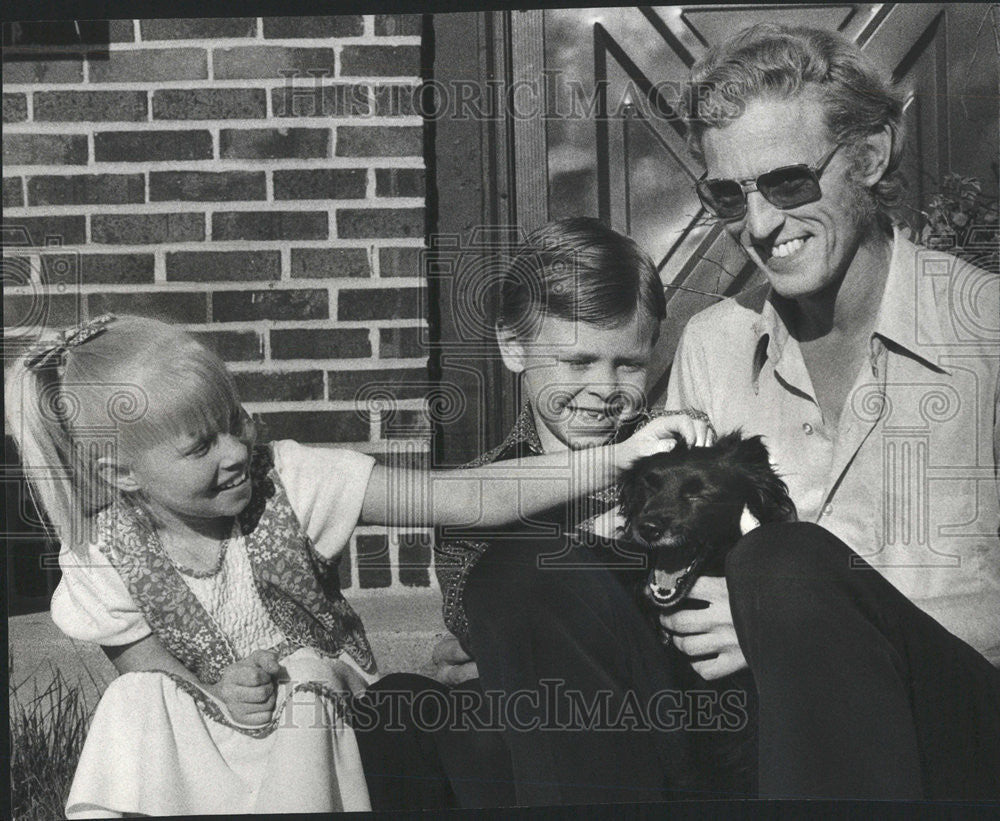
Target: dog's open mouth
x,y
667,587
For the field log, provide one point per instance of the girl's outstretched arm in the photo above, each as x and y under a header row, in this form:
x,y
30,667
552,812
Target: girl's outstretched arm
x,y
504,492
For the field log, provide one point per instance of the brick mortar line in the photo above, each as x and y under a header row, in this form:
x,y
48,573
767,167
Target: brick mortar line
x,y
160,266
396,590
381,446
303,366
283,164
265,342
176,286
212,207
216,247
195,84
254,42
390,363
345,405
244,123
282,42
354,365
285,261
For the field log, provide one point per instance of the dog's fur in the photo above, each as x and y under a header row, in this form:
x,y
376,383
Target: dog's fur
x,y
685,509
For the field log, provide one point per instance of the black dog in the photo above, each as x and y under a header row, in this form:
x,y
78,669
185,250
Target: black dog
x,y
685,509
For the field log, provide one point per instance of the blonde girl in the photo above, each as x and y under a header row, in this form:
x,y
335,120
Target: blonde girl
x,y
206,566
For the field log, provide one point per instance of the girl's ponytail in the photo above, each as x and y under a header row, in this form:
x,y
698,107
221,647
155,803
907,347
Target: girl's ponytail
x,y
32,401
63,483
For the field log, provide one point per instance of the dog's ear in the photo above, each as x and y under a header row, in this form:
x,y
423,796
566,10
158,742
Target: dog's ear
x,y
771,502
767,494
750,451
729,444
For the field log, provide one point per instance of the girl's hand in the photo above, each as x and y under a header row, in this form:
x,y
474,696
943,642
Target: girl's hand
x,y
247,688
707,636
660,435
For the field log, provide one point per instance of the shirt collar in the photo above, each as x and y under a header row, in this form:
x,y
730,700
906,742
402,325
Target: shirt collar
x,y
523,440
898,320
908,316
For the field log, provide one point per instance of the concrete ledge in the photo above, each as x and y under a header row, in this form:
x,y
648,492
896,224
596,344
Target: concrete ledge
x,y
402,628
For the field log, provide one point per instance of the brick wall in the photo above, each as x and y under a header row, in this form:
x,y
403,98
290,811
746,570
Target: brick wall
x,y
260,181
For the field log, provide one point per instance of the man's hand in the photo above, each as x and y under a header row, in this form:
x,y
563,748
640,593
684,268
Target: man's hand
x,y
660,435
247,687
450,664
707,633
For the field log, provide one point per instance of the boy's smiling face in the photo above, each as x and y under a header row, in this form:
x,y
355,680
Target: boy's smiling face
x,y
583,380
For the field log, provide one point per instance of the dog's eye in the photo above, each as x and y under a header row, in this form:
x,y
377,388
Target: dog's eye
x,y
691,488
651,481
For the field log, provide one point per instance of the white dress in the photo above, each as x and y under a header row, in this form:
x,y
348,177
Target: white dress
x,y
151,748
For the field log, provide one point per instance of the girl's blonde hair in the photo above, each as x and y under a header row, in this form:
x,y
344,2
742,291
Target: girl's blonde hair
x,y
136,383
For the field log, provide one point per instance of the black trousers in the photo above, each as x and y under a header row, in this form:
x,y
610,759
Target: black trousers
x,y
575,631
422,749
402,765
861,694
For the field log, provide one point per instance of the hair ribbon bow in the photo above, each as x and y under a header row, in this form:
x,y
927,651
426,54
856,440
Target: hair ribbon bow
x,y
53,354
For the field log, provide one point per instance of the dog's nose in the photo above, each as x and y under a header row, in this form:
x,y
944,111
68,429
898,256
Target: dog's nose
x,y
651,529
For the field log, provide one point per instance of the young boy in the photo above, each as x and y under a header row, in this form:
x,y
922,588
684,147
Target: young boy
x,y
579,314
579,311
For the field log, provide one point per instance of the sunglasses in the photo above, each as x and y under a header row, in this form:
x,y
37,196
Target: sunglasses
x,y
787,187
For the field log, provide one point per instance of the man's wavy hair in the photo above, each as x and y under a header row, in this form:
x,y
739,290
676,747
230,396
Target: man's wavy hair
x,y
772,60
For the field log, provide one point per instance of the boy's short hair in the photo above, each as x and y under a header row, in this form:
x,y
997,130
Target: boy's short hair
x,y
578,269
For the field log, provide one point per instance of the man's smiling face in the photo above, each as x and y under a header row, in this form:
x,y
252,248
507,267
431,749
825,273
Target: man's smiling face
x,y
805,250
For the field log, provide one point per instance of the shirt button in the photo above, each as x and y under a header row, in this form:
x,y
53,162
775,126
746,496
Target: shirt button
x,y
807,428
827,510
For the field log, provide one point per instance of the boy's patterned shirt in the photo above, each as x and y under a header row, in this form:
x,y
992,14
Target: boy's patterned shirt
x,y
455,558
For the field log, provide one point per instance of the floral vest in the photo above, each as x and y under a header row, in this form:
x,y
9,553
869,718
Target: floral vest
x,y
299,588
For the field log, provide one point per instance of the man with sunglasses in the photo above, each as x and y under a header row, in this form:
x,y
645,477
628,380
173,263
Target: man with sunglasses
x,y
872,625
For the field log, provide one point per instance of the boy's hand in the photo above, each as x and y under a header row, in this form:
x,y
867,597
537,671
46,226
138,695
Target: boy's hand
x,y
450,664
247,687
346,679
660,435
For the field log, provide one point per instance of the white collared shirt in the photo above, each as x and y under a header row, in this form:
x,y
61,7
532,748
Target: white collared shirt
x,y
908,476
